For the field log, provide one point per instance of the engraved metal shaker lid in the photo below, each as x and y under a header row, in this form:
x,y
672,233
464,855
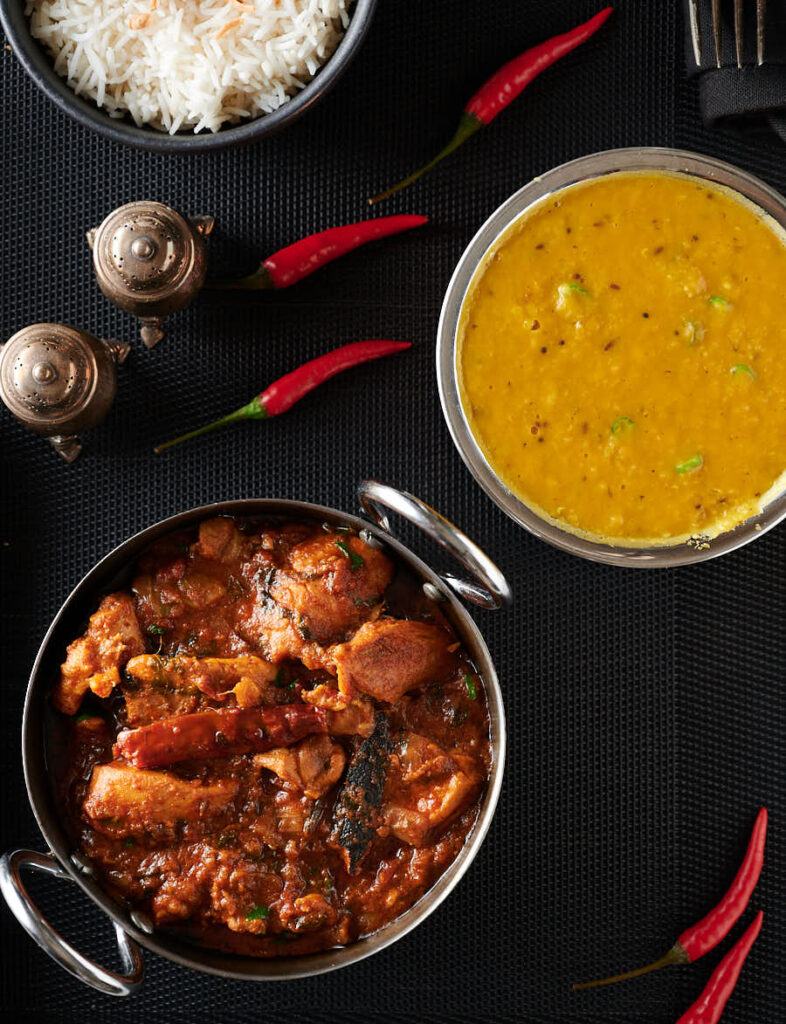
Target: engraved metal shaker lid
x,y
58,381
150,261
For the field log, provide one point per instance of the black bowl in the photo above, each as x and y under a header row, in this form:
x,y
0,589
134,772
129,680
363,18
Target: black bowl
x,y
38,64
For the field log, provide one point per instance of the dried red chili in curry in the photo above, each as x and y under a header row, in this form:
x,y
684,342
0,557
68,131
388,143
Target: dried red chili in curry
x,y
277,745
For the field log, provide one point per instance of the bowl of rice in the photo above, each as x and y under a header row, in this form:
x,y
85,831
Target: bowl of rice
x,y
182,75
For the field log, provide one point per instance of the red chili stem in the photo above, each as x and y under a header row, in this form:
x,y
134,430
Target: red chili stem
x,y
708,1008
700,938
502,88
284,392
291,264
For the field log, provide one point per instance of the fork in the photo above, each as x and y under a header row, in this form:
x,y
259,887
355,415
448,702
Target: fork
x,y
739,35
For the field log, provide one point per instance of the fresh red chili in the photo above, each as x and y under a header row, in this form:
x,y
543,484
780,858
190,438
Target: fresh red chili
x,y
708,1008
284,392
296,261
715,926
503,87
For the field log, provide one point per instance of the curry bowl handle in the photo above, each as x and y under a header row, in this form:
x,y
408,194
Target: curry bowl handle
x,y
492,590
38,928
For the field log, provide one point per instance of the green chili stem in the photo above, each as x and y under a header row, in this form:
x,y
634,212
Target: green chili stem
x,y
254,410
468,125
259,280
676,955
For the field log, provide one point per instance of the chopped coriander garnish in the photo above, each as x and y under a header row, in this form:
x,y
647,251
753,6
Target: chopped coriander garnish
x,y
577,288
158,630
282,682
83,717
742,368
258,913
128,843
687,467
355,561
472,690
622,425
719,302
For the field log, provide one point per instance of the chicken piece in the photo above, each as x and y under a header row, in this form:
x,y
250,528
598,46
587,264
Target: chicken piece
x,y
240,894
329,584
332,583
329,698
157,687
220,733
426,788
219,540
307,913
267,626
312,766
93,662
387,658
196,881
346,716
123,801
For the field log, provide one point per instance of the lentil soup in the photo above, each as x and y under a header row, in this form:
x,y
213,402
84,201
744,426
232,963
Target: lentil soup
x,y
622,358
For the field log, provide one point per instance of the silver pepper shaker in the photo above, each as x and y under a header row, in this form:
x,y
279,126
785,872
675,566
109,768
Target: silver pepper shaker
x,y
150,261
59,381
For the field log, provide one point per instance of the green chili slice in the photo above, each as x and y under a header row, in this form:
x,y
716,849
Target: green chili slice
x,y
158,630
258,913
742,368
688,467
622,425
472,689
355,561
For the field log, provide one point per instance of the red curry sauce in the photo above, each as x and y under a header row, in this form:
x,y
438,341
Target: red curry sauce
x,y
272,846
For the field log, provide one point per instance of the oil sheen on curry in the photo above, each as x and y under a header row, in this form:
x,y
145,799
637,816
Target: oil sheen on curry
x,y
622,359
276,743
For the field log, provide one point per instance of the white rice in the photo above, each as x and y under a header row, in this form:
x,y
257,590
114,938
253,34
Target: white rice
x,y
198,64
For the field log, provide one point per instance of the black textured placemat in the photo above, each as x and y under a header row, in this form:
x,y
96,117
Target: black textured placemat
x,y
645,709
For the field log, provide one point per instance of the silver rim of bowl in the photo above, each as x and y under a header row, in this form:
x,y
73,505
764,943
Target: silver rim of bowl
x,y
693,165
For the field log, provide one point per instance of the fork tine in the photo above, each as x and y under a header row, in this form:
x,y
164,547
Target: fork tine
x,y
738,31
761,13
695,31
716,30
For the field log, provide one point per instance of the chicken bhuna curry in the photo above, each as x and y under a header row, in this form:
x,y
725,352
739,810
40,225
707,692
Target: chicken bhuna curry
x,y
622,359
276,742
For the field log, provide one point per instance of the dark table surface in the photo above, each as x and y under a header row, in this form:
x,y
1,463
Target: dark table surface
x,y
645,709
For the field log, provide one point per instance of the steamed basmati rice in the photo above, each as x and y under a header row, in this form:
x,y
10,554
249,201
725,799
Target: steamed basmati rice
x,y
180,64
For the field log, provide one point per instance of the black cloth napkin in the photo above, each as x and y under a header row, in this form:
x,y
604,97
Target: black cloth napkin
x,y
750,100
